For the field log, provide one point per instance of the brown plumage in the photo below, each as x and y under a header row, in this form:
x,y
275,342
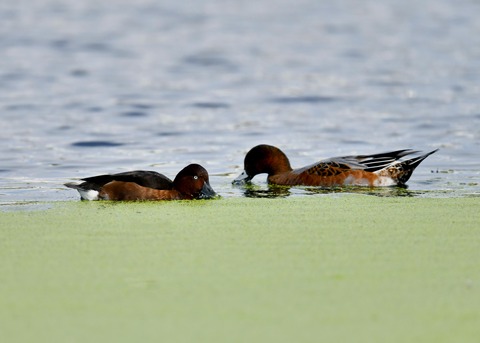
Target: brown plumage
x,y
384,169
192,182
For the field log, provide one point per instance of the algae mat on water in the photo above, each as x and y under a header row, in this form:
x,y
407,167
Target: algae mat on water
x,y
311,269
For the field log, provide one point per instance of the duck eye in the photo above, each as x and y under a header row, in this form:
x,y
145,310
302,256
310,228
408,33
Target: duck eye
x,y
195,177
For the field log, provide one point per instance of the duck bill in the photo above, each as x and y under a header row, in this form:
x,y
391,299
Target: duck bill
x,y
242,179
207,192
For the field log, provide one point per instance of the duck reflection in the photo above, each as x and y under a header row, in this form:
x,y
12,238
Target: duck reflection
x,y
269,191
394,191
251,190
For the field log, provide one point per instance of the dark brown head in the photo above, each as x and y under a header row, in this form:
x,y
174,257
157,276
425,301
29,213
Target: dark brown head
x,y
193,183
263,159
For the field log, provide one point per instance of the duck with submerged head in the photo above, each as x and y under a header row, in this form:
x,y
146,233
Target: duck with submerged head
x,y
384,169
191,182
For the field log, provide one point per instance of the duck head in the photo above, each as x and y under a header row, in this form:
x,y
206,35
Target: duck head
x,y
193,182
263,159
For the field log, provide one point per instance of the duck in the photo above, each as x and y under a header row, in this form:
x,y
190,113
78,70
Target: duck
x,y
192,182
376,170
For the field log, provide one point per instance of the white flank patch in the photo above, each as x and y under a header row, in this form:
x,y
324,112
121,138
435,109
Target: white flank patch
x,y
352,181
384,181
89,194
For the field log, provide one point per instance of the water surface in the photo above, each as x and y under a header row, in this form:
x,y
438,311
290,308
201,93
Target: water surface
x,y
102,87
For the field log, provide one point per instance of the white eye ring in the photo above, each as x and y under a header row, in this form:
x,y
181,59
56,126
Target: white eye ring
x,y
195,177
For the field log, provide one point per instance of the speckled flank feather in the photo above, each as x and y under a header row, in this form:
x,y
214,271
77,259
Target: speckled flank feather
x,y
327,169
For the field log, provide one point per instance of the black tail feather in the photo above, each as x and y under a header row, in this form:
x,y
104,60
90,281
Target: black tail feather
x,y
376,162
407,167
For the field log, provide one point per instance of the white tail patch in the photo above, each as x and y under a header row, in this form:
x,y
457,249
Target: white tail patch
x,y
88,194
352,181
85,194
384,181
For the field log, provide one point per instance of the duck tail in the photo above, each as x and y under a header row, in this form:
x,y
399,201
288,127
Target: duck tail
x,y
87,190
402,170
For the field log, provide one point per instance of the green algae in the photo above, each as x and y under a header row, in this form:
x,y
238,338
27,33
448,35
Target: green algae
x,y
308,269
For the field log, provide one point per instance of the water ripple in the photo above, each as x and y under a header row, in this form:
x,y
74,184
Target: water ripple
x,y
308,99
96,144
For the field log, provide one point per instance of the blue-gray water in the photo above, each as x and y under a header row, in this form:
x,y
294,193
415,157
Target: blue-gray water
x,y
90,87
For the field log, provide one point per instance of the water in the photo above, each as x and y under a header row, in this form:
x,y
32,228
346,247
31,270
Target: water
x,y
89,87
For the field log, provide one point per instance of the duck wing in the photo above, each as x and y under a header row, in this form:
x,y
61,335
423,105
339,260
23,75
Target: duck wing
x,y
150,179
371,163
